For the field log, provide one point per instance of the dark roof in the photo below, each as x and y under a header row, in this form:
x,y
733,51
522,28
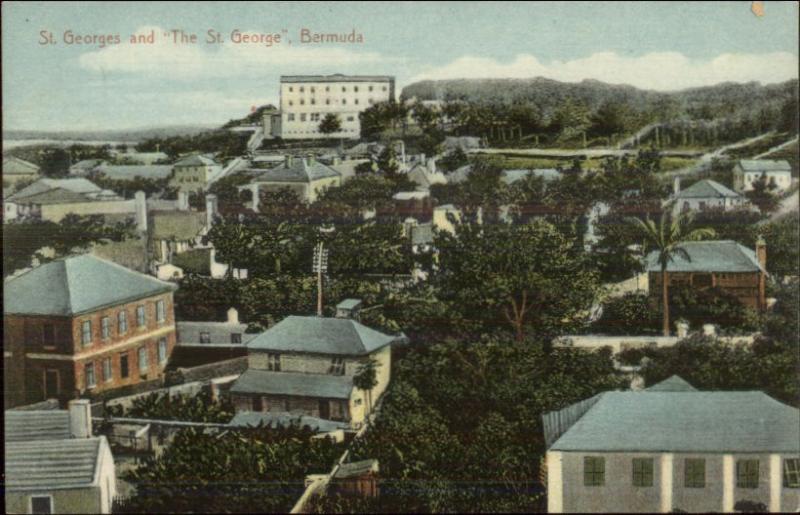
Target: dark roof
x,y
765,165
293,384
356,469
709,256
320,335
707,189
672,384
653,421
283,419
296,170
36,425
76,285
336,77
43,464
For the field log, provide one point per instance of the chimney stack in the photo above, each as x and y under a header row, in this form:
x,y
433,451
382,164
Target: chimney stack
x,y
431,164
709,330
676,185
211,209
80,418
140,205
233,316
348,308
761,252
183,201
288,161
682,329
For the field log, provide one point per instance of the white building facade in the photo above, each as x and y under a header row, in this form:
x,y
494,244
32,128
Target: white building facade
x,y
307,99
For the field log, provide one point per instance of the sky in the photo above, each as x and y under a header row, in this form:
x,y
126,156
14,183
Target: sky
x,y
663,46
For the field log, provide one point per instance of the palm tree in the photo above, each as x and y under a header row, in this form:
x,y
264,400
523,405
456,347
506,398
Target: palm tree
x,y
667,238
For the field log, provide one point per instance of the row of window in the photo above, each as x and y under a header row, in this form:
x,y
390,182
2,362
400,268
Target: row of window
x,y
312,89
694,472
336,367
90,378
206,337
315,131
313,101
122,323
314,117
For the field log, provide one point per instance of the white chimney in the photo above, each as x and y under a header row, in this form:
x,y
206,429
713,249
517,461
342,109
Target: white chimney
x,y
682,329
233,316
709,330
676,185
183,200
211,209
432,165
80,418
140,204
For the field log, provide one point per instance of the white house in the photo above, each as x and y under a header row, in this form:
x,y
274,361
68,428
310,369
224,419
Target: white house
x,y
704,195
748,171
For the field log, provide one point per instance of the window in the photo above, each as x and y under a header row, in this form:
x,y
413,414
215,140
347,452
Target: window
x,y
357,402
370,88
140,316
594,471
48,334
791,473
312,89
302,89
694,473
41,504
747,474
355,88
313,102
303,117
205,338
236,337
370,101
291,103
274,362
642,471
355,101
384,88
328,101
143,359
344,101
162,350
350,119
291,89
161,311
86,332
89,379
105,327
314,117
327,88
337,367
108,375
123,365
344,89
290,117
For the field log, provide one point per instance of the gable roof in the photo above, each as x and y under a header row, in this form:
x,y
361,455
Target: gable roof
x,y
16,166
319,335
707,189
425,178
74,185
765,165
36,425
293,384
196,160
284,419
672,384
653,421
75,285
709,256
45,464
296,170
129,172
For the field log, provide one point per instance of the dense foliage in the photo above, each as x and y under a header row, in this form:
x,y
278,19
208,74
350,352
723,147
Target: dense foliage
x,y
191,408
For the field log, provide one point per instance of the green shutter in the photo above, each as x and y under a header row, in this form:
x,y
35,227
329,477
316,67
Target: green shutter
x,y
695,473
747,474
643,472
593,471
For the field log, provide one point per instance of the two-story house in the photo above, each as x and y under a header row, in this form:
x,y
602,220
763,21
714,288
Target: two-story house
x,y
720,264
748,171
306,364
306,177
671,448
193,173
84,324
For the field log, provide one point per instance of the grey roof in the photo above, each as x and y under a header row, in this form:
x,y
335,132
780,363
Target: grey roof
x,y
709,256
297,170
459,174
653,421
74,185
36,425
283,419
16,166
129,172
44,464
672,384
707,189
293,384
76,285
319,335
547,174
196,160
422,234
765,165
86,165
336,77
218,332
349,304
356,468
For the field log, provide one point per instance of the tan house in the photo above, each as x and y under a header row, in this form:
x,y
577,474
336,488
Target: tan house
x,y
53,464
748,171
306,177
306,364
193,173
16,169
53,199
671,448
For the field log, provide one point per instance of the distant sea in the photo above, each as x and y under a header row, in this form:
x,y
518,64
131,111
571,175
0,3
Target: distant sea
x,y
15,143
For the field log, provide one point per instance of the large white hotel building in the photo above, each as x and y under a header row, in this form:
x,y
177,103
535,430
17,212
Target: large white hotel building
x,y
306,99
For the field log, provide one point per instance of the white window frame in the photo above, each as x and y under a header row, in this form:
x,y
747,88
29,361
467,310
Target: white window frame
x,y
162,356
108,372
86,368
122,322
105,328
84,340
141,352
791,478
141,321
273,362
49,496
161,311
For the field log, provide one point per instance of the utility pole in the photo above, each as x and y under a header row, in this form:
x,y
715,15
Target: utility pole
x,y
320,265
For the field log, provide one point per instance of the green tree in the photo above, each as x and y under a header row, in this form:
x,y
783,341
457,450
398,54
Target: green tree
x,y
55,162
666,239
763,194
366,379
330,124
